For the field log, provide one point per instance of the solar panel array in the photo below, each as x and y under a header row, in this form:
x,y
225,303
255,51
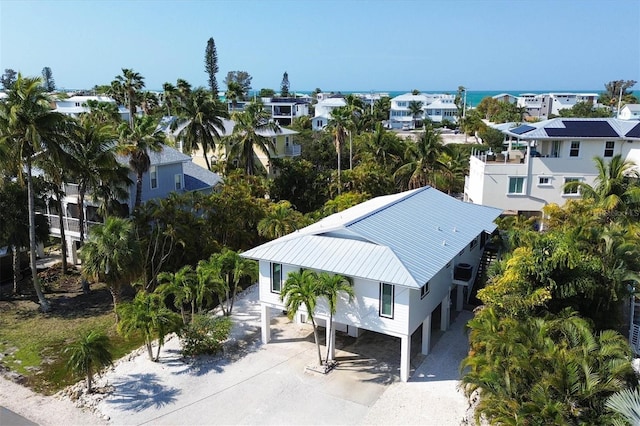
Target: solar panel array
x,y
522,129
635,132
582,129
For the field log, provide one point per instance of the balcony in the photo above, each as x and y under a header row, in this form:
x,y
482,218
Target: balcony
x,y
71,225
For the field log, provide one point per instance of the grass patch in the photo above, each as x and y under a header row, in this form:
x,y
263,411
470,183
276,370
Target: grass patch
x,y
32,344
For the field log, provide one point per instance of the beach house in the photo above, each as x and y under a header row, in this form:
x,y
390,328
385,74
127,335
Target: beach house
x,y
323,110
170,171
75,106
540,158
435,107
409,256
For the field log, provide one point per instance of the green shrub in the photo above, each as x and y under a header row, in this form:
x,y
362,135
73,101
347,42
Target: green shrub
x,y
205,334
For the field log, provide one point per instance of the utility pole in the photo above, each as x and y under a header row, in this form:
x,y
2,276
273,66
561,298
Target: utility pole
x,y
464,114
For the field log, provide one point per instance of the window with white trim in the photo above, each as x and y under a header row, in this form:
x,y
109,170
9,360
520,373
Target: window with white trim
x,y
608,148
544,180
574,149
153,176
177,180
276,277
386,300
573,190
516,185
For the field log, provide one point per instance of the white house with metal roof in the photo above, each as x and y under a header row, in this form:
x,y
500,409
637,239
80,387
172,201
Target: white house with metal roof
x,y
541,157
630,112
400,251
75,106
435,107
323,111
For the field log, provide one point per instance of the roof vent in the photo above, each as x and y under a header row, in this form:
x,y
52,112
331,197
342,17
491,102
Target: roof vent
x,y
455,229
444,243
438,228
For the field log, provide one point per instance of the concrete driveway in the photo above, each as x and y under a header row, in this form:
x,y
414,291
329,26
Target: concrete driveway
x,y
268,384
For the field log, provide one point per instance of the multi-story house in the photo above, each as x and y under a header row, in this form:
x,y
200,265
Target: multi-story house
x,y
170,171
545,105
540,158
323,111
282,141
282,110
435,107
77,105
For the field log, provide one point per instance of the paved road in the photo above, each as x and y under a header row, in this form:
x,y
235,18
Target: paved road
x,y
9,418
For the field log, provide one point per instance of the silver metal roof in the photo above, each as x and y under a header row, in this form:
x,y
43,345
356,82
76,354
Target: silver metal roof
x,y
402,239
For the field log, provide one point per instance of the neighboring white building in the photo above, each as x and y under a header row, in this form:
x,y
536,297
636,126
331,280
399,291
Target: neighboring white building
x,y
542,105
539,158
630,112
435,107
323,111
284,110
77,105
400,252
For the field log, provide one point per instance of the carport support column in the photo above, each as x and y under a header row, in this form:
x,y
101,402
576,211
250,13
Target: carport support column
x,y
445,308
426,335
266,323
405,350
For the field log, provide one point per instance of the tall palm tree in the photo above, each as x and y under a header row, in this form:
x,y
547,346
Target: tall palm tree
x,y
423,161
112,255
339,125
88,354
169,97
330,286
111,191
93,151
301,290
248,135
200,122
128,85
137,143
29,129
383,147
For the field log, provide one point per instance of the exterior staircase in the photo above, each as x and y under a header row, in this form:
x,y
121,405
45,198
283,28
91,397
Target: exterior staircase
x,y
489,255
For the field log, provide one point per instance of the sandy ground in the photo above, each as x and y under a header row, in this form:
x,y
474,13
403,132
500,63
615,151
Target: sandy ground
x,y
262,384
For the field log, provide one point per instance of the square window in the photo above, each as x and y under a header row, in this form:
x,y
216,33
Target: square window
x,y
424,290
153,176
276,277
386,300
608,148
516,185
574,150
572,190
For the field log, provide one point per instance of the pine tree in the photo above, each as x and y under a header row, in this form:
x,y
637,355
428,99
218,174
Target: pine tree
x,y
211,65
48,83
284,86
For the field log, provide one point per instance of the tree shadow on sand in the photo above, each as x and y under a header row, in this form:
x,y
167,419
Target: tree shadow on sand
x,y
138,392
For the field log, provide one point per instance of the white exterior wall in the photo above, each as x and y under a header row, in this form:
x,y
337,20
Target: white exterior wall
x,y
488,183
362,312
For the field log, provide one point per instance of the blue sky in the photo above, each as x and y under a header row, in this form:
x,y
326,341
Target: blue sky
x,y
334,45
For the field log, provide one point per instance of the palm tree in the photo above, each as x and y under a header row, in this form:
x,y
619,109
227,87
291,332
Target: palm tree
x,y
615,189
339,124
227,270
330,286
137,143
279,221
169,96
89,353
93,151
248,135
422,161
626,403
180,286
112,255
111,190
200,118
148,315
384,147
128,86
29,129
415,108
301,289
234,93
